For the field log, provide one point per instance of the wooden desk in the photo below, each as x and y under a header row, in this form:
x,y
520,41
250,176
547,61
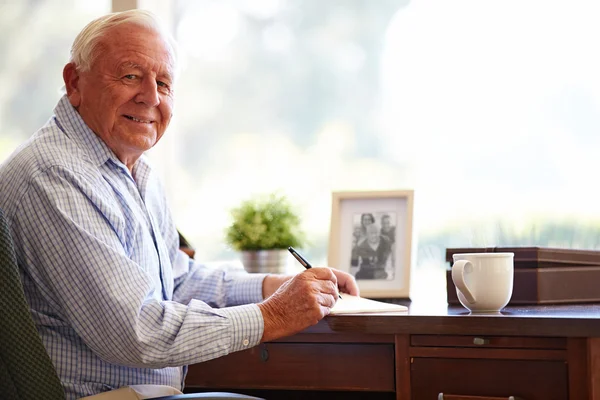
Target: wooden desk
x,y
533,352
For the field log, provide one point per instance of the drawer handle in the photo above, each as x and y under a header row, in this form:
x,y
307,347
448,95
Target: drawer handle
x,y
264,354
481,341
443,396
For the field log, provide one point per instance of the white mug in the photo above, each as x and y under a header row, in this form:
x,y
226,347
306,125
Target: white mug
x,y
484,281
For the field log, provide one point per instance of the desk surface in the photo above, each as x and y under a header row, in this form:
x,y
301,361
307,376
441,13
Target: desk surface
x,y
573,320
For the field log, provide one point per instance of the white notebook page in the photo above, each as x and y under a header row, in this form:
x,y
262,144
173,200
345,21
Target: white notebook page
x,y
357,305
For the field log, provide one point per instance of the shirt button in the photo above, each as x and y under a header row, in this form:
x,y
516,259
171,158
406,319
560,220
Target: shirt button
x,y
246,342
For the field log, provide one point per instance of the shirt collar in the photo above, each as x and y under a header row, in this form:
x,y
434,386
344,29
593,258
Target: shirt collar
x,y
77,130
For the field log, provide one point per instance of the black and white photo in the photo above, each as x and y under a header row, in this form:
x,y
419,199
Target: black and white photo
x,y
373,245
371,238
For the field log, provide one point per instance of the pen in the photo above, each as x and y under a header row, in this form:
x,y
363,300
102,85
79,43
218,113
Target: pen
x,y
302,261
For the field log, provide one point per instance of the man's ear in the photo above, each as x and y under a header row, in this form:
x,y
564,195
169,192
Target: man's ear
x,y
71,78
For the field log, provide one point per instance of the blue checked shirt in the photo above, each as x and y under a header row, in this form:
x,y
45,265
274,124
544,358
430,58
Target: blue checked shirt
x,y
115,301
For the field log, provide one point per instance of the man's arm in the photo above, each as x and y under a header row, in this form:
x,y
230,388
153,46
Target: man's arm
x,y
217,287
292,302
70,242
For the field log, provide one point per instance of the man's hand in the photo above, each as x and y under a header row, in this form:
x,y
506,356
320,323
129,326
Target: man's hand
x,y
346,282
301,301
272,282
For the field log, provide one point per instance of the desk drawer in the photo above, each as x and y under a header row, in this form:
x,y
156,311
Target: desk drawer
x,y
482,341
314,366
525,379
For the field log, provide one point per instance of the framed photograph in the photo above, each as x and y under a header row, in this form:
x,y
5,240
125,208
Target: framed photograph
x,y
371,237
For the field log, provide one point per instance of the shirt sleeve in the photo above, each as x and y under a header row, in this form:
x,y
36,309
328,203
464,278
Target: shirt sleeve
x,y
73,252
218,287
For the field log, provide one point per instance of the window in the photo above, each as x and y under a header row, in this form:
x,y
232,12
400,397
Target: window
x,y
35,39
489,110
276,96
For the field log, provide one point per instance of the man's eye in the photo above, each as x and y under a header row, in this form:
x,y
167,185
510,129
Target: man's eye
x,y
130,76
163,87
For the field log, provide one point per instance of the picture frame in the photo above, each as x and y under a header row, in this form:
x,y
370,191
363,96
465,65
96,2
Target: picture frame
x,y
378,256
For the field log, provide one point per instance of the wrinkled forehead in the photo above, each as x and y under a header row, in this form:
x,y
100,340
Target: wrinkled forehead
x,y
138,44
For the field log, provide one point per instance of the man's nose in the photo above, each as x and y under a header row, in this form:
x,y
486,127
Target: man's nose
x,y
148,93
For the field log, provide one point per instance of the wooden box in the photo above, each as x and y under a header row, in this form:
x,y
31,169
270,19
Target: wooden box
x,y
544,275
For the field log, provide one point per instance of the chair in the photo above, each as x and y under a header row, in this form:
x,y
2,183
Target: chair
x,y
185,246
26,371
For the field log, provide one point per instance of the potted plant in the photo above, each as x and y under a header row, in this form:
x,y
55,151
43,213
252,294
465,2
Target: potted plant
x,y
262,229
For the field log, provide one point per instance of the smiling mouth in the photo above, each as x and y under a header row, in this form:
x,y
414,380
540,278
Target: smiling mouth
x,y
143,121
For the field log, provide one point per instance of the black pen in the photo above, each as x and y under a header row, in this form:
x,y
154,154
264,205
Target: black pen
x,y
302,261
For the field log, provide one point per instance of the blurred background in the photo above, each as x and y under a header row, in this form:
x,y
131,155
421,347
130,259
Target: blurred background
x,y
489,110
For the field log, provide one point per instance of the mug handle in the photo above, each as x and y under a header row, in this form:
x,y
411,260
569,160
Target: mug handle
x,y
458,276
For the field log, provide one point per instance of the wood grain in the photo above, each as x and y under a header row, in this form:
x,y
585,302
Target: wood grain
x,y
573,320
459,397
402,368
358,367
578,368
530,380
535,352
492,354
594,367
491,342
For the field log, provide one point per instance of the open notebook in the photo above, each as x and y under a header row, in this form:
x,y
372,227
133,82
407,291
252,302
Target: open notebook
x,y
357,305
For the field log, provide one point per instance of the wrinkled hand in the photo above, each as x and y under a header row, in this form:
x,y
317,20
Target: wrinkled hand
x,y
272,282
346,282
300,302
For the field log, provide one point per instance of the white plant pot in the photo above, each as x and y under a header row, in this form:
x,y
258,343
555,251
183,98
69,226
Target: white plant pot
x,y
265,261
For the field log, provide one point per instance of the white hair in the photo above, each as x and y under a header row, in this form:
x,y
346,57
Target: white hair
x,y
86,45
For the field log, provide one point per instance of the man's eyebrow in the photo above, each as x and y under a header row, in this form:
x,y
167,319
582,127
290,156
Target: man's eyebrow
x,y
129,65
167,72
167,75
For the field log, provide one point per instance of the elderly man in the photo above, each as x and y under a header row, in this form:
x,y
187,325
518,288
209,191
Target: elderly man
x,y
114,300
374,255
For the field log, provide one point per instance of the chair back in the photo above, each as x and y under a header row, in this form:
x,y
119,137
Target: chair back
x,y
26,371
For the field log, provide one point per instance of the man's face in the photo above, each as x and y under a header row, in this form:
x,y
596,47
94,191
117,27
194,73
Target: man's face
x,y
385,223
372,234
126,97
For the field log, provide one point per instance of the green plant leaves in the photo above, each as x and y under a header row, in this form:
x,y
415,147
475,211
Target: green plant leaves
x,y
264,223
